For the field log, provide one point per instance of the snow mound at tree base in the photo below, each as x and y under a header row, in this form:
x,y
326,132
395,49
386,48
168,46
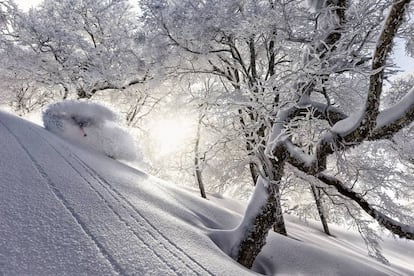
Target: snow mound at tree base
x,y
91,125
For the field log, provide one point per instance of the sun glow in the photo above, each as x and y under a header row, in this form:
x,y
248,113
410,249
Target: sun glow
x,y
170,136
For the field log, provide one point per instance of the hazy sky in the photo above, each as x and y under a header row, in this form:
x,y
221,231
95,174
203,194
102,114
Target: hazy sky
x,y
27,4
406,63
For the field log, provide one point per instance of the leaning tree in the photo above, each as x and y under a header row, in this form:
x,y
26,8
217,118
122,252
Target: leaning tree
x,y
346,131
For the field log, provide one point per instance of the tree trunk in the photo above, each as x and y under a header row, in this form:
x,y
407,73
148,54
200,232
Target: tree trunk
x,y
257,222
253,172
279,226
198,160
65,92
319,206
263,212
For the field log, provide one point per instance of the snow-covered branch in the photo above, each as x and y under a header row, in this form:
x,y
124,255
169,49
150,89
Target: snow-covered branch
x,y
356,128
384,45
109,86
402,230
321,110
391,120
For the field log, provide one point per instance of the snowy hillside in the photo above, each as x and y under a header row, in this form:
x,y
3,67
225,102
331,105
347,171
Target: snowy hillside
x,y
67,210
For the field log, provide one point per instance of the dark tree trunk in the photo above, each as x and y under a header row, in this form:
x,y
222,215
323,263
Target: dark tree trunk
x,y
319,205
253,172
65,92
279,226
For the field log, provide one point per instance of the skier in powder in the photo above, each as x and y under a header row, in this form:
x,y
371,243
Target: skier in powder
x,y
90,124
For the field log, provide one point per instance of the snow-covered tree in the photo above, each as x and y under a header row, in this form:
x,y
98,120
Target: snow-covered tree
x,y
227,40
283,60
347,131
81,46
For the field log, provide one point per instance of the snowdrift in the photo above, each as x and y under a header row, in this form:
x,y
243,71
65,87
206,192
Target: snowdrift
x,y
92,125
69,210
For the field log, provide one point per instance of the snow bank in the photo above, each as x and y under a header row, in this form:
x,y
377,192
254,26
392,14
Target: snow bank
x,y
90,124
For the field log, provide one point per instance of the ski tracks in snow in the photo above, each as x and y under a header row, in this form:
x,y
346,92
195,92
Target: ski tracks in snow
x,y
118,241
154,233
165,249
54,189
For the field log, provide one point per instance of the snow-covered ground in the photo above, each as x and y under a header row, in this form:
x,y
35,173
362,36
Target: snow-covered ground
x,y
65,210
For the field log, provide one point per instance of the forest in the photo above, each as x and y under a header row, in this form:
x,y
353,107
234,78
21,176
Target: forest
x,y
296,106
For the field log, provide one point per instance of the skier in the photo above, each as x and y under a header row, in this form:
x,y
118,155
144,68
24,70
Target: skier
x,y
81,122
90,124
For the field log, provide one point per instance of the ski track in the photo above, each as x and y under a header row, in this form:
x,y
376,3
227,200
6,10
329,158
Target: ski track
x,y
118,268
129,210
113,208
114,264
136,211
117,196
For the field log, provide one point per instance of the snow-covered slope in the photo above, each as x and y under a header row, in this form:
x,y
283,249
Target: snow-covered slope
x,y
68,210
